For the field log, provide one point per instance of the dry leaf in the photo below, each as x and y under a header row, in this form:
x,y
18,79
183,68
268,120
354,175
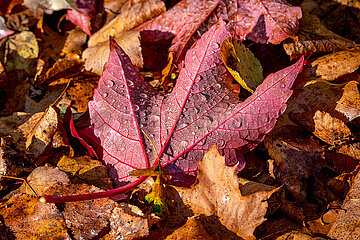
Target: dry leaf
x,y
329,129
333,65
24,20
217,193
296,158
339,100
25,217
129,42
51,5
127,222
86,170
298,235
347,225
42,178
192,229
313,37
349,103
37,132
21,52
74,43
242,64
349,3
132,14
85,219
323,224
13,161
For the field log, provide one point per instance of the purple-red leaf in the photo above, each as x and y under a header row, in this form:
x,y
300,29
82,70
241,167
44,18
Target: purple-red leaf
x,y
83,18
202,110
264,21
182,20
4,31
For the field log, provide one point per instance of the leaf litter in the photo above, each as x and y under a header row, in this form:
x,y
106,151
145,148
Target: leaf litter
x,y
299,183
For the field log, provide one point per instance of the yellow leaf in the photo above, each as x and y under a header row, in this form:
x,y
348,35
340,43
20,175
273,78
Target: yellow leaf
x,y
242,64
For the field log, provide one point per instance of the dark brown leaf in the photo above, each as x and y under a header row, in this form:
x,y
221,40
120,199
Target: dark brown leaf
x,y
313,37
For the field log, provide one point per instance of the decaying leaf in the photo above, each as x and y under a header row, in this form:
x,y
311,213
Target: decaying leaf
x,y
13,161
347,225
330,129
85,219
132,14
36,133
86,170
127,222
349,103
242,64
298,235
217,193
314,37
21,52
349,3
323,224
42,178
4,31
192,229
297,157
51,5
129,41
74,43
25,217
332,66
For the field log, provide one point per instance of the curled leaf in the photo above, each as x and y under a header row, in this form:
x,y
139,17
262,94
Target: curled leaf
x,y
242,64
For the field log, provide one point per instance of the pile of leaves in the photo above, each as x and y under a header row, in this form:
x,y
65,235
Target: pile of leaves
x,y
179,119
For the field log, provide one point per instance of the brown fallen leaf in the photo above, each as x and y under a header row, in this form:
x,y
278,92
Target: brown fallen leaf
x,y
298,235
192,229
21,52
132,14
332,66
323,224
297,157
349,3
24,20
25,217
330,129
36,133
339,100
313,37
129,42
127,222
13,161
217,193
74,43
349,103
347,224
86,170
42,178
85,219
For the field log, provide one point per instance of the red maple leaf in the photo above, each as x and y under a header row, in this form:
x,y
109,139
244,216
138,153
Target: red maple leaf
x,y
202,110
